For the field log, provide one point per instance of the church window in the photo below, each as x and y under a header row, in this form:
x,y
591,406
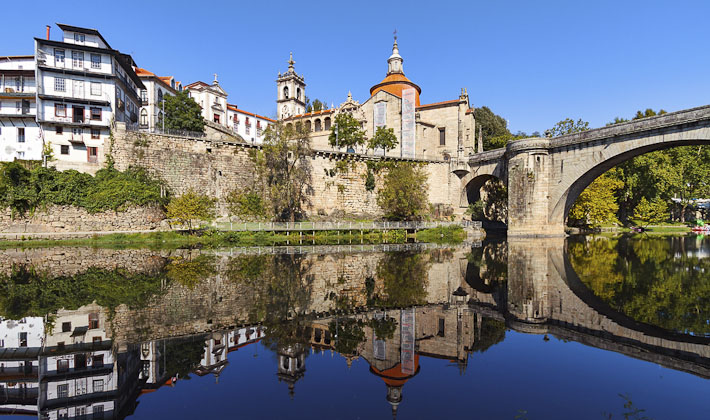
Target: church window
x,y
285,92
442,136
216,118
160,95
318,125
308,126
327,123
298,93
144,118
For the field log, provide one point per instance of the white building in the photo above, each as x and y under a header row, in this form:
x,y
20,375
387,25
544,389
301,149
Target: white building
x,y
19,132
248,125
20,345
156,87
213,100
83,85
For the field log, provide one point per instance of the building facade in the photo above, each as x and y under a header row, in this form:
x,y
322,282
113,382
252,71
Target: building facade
x,y
20,136
439,131
247,125
83,86
156,88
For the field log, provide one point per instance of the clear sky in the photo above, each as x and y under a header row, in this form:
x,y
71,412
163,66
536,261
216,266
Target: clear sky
x,y
533,62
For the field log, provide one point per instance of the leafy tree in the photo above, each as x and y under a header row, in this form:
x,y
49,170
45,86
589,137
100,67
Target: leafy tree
x,y
183,355
183,113
403,195
384,139
493,127
648,113
247,204
346,132
284,170
597,203
567,126
191,206
404,276
190,272
316,105
654,211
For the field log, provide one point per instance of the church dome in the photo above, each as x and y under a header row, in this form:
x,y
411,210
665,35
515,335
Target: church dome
x,y
395,81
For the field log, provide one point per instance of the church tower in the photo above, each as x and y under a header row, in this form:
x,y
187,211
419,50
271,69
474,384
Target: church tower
x,y
291,92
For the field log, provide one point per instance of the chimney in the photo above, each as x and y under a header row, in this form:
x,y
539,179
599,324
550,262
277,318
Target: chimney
x,y
47,32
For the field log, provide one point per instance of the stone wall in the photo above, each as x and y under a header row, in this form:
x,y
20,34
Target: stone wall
x,y
215,168
63,219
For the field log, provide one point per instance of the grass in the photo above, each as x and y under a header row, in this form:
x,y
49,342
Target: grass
x,y
216,239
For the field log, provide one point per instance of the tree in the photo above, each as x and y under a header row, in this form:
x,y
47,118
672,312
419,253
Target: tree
x,y
494,128
183,113
567,126
247,204
654,211
191,206
597,203
316,105
403,195
384,139
346,132
284,169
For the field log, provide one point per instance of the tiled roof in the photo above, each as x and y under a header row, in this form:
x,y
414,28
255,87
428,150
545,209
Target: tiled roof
x,y
311,114
234,108
453,101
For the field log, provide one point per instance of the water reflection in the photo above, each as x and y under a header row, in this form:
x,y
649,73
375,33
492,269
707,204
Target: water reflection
x,y
86,332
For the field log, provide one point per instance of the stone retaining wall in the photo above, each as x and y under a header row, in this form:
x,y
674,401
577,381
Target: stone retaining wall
x,y
60,219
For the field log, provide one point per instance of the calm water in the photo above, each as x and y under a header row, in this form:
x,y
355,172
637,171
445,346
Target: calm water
x,y
587,328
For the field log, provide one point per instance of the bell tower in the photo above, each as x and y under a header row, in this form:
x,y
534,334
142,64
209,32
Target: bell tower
x,y
291,92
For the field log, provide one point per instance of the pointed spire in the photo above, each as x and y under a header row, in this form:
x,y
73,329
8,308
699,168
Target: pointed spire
x,y
394,63
290,62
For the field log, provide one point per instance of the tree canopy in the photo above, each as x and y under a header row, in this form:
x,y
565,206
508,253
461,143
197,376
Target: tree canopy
x,y
346,132
183,113
384,139
403,195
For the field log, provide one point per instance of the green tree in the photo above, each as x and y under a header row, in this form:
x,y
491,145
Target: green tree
x,y
183,113
403,195
567,126
284,170
494,128
346,132
654,211
316,105
247,204
191,206
384,139
597,203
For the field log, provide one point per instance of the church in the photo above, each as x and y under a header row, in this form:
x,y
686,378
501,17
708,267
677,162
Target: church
x,y
434,131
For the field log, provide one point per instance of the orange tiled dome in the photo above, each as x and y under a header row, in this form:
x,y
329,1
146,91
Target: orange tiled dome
x,y
394,83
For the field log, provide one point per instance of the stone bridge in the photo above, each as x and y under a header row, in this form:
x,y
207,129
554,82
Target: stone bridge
x,y
546,175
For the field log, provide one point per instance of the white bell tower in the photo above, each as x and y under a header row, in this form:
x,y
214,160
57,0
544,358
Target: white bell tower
x,y
291,92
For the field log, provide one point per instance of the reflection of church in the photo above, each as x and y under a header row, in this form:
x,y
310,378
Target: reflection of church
x,y
438,130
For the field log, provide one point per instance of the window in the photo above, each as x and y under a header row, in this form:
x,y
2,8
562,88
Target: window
x,y
96,113
298,93
23,339
64,149
95,61
58,57
60,110
20,134
442,136
20,155
95,88
60,346
95,134
285,92
62,365
80,388
93,320
440,333
96,342
79,38
144,118
92,152
77,114
98,385
60,84
144,96
318,126
160,96
80,361
98,412
59,130
98,360
66,326
216,118
327,123
18,106
77,59
25,107
63,389
2,343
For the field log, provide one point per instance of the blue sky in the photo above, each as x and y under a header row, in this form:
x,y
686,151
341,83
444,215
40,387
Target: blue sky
x,y
533,62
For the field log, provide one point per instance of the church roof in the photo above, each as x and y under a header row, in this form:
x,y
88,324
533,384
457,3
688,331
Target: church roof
x,y
241,111
395,83
310,114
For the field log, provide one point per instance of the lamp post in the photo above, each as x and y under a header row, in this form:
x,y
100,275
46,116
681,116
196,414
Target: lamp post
x,y
163,101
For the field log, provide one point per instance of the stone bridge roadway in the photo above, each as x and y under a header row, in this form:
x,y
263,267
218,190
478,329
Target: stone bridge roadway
x,y
546,175
545,296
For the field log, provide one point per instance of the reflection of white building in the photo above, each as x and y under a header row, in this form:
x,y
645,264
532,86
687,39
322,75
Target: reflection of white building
x,y
19,132
20,346
219,343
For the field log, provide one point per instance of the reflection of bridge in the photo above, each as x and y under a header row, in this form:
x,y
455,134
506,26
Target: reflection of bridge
x,y
544,295
545,176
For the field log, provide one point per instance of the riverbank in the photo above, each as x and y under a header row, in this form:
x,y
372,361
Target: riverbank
x,y
215,239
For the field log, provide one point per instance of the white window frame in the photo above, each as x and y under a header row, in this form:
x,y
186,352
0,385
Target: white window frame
x,y
79,38
63,391
59,56
60,84
77,59
95,64
95,88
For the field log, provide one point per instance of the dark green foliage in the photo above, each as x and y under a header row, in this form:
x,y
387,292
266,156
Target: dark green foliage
x,y
247,204
23,190
183,113
404,275
183,355
492,332
27,292
493,127
191,272
384,328
349,335
316,105
346,132
567,126
403,195
384,139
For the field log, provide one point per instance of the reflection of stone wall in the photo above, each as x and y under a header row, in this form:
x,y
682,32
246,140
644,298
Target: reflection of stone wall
x,y
55,219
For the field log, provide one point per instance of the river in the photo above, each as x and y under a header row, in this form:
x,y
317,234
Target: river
x,y
584,328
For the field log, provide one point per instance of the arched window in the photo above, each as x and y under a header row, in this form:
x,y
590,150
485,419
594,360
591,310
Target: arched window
x,y
298,93
327,123
298,126
285,92
144,118
160,96
318,125
289,126
308,126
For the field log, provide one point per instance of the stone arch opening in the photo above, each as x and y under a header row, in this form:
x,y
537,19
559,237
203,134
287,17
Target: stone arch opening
x,y
285,92
327,123
318,125
487,197
308,126
573,185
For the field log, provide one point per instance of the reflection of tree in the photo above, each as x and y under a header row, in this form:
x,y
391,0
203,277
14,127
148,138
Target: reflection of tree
x,y
487,266
645,280
492,332
384,327
27,292
349,335
404,276
183,355
191,272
